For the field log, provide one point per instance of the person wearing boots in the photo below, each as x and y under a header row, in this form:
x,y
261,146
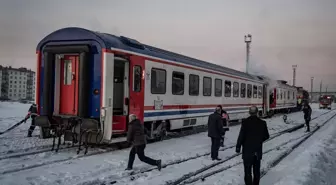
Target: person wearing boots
x,y
307,111
32,113
215,132
137,136
253,133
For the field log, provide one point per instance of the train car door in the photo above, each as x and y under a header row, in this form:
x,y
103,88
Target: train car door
x,y
120,95
137,84
69,85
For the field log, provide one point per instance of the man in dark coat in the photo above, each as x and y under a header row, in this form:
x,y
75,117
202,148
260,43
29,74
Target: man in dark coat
x,y
307,114
32,113
215,132
137,136
253,133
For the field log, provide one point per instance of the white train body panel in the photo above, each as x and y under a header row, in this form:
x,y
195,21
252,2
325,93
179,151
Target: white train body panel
x,y
177,108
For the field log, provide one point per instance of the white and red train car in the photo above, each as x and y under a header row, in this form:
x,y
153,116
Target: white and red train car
x,y
102,78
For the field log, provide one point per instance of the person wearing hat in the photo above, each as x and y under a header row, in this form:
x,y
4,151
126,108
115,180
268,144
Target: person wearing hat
x,y
215,132
32,113
253,133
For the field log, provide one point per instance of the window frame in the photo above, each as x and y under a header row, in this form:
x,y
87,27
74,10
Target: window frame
x,y
237,90
140,80
198,85
221,88
241,84
206,77
172,77
225,94
165,86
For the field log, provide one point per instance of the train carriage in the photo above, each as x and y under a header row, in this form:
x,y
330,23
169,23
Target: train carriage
x,y
100,79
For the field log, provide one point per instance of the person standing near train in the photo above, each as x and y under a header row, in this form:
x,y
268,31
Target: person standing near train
x,y
253,133
215,132
307,111
32,113
137,136
226,119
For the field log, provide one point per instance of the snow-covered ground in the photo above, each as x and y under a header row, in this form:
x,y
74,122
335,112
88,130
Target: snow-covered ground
x,y
62,168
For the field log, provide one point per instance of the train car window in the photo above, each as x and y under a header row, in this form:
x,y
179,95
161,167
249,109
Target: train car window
x,y
218,87
193,85
249,91
284,95
281,94
242,90
235,89
288,95
255,91
137,72
259,92
207,86
177,83
227,92
293,95
278,92
67,72
158,81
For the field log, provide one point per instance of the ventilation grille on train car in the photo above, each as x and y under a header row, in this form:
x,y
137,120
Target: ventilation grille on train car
x,y
131,42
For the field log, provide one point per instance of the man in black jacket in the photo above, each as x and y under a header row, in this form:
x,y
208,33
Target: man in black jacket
x,y
307,114
32,113
253,133
137,136
215,132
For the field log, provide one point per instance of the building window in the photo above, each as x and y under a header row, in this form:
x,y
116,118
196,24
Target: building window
x,y
259,92
249,91
137,73
235,89
227,92
255,91
218,87
242,90
207,86
177,83
158,81
193,85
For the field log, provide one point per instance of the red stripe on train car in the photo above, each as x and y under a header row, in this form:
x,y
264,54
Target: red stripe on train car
x,y
38,78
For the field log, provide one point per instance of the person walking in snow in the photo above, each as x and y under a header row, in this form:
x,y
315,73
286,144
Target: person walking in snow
x,y
253,133
215,131
137,136
307,111
225,118
32,113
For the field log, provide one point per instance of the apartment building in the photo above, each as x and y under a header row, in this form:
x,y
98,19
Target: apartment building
x,y
18,84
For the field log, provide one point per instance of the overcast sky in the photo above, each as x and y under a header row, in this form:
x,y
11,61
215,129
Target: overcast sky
x,y
285,32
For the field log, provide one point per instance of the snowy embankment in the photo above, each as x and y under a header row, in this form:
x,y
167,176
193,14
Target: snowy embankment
x,y
313,163
112,164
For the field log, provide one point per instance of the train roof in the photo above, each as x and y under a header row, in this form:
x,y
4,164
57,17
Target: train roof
x,y
109,41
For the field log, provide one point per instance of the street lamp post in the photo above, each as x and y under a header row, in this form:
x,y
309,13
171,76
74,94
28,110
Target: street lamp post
x,y
311,89
248,40
294,73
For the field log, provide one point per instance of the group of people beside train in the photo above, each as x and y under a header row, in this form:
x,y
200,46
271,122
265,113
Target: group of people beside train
x,y
253,133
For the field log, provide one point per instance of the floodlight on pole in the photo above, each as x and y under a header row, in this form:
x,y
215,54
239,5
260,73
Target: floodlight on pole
x,y
248,40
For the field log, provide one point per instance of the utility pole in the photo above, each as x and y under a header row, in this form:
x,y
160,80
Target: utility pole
x,y
294,73
248,40
311,89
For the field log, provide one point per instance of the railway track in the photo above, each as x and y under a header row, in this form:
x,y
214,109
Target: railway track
x,y
197,175
138,173
47,148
